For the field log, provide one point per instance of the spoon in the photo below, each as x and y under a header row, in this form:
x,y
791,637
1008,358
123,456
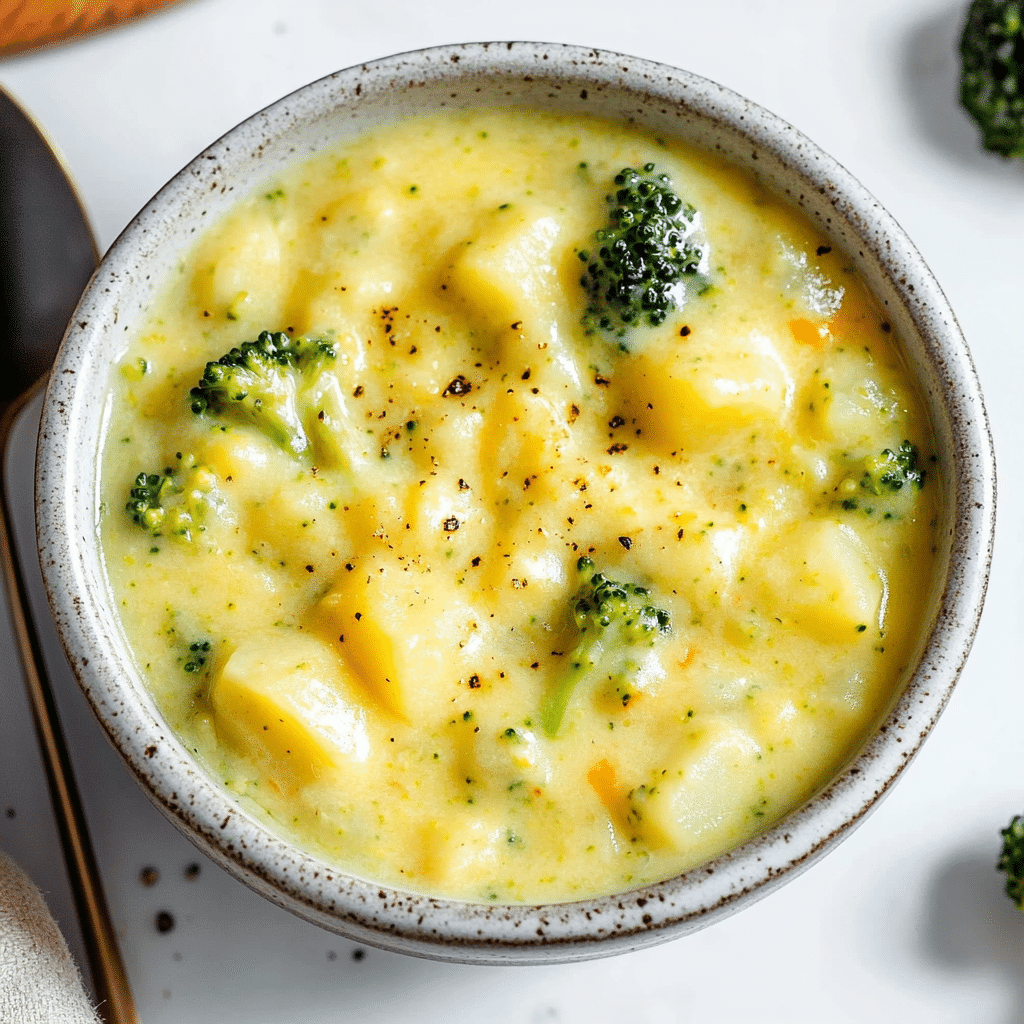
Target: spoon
x,y
47,255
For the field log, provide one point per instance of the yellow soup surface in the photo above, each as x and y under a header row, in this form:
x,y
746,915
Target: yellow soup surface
x,y
474,593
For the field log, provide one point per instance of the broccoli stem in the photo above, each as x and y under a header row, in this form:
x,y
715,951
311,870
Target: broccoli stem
x,y
613,618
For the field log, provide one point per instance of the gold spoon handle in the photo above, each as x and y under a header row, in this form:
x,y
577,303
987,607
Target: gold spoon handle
x,y
110,981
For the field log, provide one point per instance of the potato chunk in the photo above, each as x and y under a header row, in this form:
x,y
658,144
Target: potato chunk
x,y
819,577
681,402
299,525
458,846
856,403
286,701
509,274
525,444
402,633
238,272
710,786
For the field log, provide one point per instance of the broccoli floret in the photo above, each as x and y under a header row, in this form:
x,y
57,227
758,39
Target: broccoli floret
x,y
890,470
197,656
266,382
634,276
1012,860
613,619
992,75
172,502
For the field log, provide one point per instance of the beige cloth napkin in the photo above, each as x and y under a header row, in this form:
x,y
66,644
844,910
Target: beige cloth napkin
x,y
39,982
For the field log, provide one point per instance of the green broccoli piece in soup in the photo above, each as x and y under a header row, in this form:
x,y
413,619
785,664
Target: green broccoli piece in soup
x,y
890,470
992,73
270,382
1011,860
173,502
614,620
633,276
198,654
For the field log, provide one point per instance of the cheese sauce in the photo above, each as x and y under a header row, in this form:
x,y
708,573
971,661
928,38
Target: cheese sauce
x,y
365,599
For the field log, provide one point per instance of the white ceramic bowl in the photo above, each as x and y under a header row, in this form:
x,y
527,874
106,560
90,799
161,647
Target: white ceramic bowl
x,y
565,79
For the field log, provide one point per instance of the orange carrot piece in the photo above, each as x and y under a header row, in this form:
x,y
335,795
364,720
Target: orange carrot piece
x,y
808,332
605,784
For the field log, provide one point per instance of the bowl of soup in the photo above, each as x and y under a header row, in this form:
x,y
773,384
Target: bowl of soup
x,y
515,502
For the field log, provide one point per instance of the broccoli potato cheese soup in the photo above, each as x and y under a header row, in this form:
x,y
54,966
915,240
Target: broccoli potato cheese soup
x,y
512,507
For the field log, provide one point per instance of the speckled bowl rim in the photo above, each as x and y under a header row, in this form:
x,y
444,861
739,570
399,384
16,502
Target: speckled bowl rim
x,y
569,78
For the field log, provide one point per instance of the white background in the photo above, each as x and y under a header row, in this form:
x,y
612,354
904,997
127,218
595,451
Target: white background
x,y
905,921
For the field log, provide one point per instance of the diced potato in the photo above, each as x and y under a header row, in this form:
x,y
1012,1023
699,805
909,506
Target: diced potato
x,y
285,700
242,460
496,758
509,273
441,514
819,577
855,405
299,526
709,788
525,442
238,274
527,576
460,848
681,402
401,633
790,720
383,515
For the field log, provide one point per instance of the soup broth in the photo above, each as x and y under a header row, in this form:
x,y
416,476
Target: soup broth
x,y
477,590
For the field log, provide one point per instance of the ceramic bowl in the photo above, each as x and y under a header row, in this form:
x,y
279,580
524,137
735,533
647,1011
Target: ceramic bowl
x,y
564,79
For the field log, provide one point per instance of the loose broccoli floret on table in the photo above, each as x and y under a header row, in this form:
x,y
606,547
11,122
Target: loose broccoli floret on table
x,y
614,619
634,272
1012,860
173,502
992,73
269,383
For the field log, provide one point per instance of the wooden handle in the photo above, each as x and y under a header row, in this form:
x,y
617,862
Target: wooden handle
x,y
25,24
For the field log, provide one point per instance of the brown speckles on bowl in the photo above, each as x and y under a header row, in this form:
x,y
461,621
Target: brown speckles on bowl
x,y
566,79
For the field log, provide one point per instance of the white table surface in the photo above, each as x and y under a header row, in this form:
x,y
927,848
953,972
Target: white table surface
x,y
906,920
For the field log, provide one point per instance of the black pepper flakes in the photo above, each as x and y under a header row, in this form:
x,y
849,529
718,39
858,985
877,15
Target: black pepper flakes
x,y
450,525
459,386
164,922
626,542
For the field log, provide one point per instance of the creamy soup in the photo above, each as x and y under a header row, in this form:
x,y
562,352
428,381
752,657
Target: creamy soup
x,y
481,581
